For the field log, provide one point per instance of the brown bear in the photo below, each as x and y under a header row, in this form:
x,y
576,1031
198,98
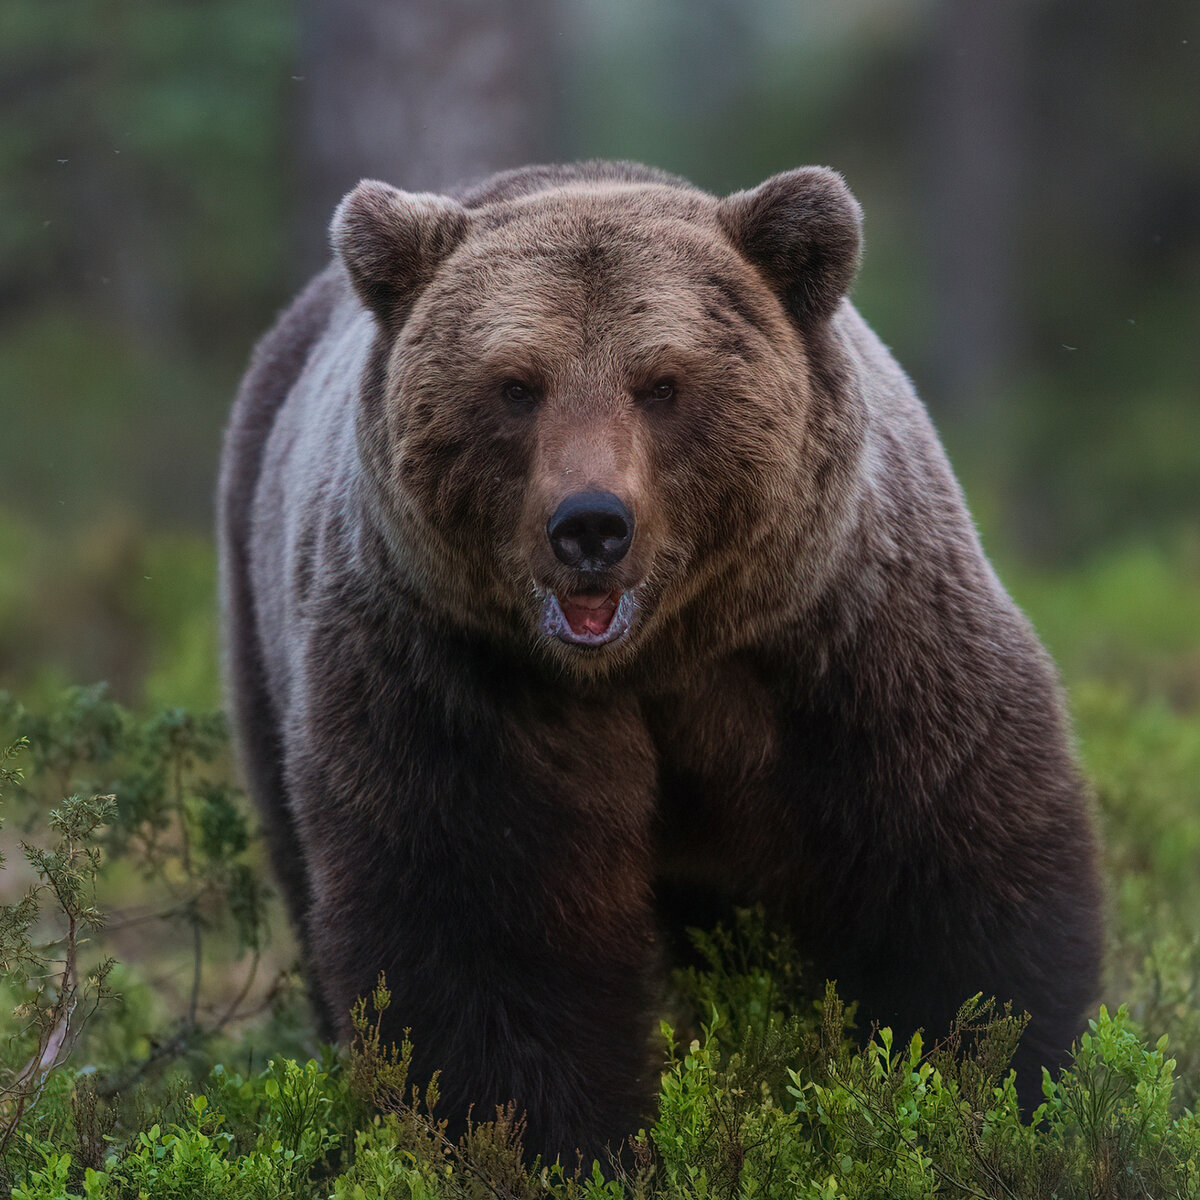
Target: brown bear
x,y
583,550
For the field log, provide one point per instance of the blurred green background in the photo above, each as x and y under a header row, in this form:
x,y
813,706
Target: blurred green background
x,y
1030,171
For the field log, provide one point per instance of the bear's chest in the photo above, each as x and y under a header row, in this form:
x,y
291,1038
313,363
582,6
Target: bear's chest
x,y
717,745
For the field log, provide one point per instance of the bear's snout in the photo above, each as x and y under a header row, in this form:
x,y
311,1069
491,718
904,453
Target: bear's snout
x,y
590,531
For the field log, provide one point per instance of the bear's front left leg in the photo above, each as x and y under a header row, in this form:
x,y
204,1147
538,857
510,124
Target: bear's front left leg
x,y
491,856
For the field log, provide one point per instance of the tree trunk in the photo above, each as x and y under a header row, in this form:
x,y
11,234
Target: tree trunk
x,y
421,95
975,158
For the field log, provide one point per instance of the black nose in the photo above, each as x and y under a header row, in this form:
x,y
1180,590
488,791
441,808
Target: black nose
x,y
590,531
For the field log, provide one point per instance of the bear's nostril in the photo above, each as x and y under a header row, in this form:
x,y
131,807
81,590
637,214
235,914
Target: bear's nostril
x,y
590,530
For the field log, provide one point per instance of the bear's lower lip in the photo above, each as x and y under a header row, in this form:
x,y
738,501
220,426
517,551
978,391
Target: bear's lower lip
x,y
586,620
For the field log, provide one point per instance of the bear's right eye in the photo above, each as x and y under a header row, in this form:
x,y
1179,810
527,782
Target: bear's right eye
x,y
518,394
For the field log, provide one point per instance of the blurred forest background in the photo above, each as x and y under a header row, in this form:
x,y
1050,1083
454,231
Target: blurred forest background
x,y
1030,171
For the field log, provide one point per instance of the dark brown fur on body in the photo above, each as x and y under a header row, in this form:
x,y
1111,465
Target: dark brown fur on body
x,y
824,700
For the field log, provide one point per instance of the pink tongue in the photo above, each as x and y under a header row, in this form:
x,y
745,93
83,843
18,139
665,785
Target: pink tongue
x,y
588,614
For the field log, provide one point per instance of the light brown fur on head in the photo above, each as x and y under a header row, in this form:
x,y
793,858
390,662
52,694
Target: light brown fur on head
x,y
590,294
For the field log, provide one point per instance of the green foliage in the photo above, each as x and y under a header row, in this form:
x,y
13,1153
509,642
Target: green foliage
x,y
382,1171
41,936
174,865
110,601
186,1162
1128,617
295,1134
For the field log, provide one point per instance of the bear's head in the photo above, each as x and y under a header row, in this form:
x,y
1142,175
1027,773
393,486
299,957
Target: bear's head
x,y
604,410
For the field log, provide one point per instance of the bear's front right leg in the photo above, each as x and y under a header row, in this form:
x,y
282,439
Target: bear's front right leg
x,y
487,847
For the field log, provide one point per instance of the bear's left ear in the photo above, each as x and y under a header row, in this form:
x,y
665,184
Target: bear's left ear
x,y
392,243
803,230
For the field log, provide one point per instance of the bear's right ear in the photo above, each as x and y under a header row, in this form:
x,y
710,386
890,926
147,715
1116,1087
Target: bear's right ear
x,y
803,230
392,242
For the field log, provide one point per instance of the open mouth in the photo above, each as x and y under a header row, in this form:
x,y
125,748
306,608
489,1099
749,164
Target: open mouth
x,y
587,618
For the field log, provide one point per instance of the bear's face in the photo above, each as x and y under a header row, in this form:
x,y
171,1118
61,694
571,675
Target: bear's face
x,y
592,403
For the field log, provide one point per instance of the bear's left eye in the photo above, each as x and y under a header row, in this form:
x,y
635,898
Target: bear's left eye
x,y
662,390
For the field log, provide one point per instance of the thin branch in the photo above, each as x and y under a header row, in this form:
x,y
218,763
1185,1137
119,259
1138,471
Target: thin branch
x,y
187,1036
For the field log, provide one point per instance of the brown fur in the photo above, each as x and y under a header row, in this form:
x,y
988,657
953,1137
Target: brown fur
x,y
825,700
